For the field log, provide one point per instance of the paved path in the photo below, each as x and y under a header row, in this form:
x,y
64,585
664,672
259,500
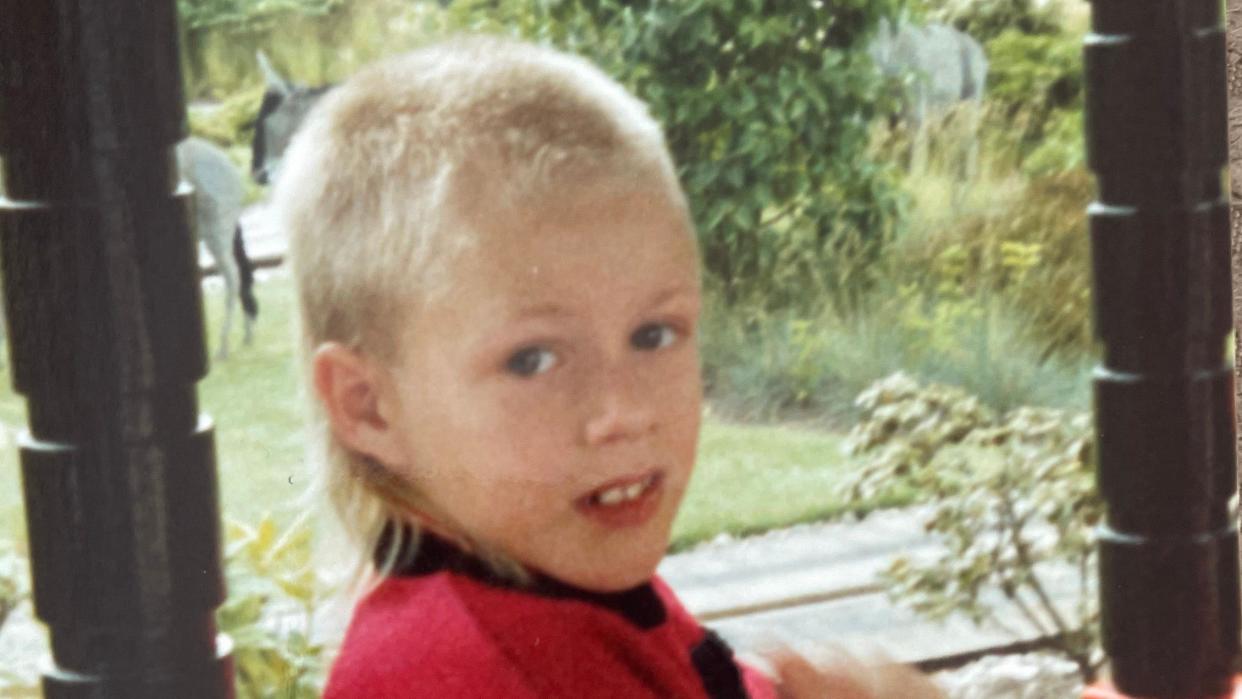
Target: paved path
x,y
816,584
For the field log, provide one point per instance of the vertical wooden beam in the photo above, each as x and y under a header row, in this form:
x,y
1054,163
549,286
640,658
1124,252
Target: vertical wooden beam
x,y
1233,81
1156,139
106,336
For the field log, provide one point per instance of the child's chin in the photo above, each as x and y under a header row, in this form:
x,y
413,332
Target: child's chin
x,y
635,573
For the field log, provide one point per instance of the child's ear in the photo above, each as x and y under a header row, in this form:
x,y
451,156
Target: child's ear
x,y
358,401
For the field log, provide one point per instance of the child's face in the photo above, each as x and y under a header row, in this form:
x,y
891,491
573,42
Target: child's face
x,y
549,402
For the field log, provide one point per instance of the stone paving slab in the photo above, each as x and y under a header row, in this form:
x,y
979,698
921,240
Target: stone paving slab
x,y
863,624
815,585
807,563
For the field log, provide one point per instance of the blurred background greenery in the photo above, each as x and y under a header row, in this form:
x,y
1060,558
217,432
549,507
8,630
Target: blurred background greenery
x,y
830,261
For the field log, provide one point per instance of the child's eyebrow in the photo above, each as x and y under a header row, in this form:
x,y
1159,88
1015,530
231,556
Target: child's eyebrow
x,y
672,293
551,308
555,308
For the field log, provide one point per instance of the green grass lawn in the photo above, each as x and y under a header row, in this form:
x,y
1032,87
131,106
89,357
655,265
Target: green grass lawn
x,y
749,478
754,478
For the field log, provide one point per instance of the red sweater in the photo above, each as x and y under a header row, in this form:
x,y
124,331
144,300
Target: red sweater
x,y
446,630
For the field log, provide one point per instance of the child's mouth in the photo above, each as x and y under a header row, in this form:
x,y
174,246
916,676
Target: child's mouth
x,y
627,503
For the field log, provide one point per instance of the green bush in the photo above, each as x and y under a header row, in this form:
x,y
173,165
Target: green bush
x,y
985,19
773,365
1013,500
1062,147
273,595
1035,87
1029,247
766,108
270,610
1035,71
231,122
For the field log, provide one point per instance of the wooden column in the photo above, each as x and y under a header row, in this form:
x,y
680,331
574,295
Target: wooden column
x,y
106,337
1156,140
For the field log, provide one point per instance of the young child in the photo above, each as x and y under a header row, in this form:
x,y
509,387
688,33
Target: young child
x,y
499,293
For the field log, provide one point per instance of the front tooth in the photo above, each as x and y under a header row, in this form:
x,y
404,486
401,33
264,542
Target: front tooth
x,y
635,490
612,496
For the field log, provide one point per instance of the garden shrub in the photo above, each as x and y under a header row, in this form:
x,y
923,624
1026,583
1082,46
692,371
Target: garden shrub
x,y
1062,147
773,365
766,107
1035,89
231,122
1035,71
1029,248
777,365
273,595
270,611
985,19
1012,500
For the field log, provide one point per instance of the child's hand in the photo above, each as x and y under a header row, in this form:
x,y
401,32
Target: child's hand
x,y
845,677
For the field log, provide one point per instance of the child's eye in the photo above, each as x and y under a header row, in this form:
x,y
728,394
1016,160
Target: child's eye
x,y
530,361
653,336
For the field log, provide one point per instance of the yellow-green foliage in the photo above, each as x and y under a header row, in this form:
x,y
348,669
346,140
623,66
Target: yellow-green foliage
x,y
231,122
1029,247
273,595
1035,87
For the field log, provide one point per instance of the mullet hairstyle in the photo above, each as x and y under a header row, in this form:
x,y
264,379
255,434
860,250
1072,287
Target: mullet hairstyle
x,y
374,196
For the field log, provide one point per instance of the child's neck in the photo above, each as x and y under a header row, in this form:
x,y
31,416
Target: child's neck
x,y
427,553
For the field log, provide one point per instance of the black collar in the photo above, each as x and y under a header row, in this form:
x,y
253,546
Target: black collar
x,y
641,605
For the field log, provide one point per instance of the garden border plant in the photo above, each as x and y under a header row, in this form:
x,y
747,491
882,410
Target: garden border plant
x,y
1012,499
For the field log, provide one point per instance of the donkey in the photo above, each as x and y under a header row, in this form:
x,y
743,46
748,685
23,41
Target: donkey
x,y
949,71
285,105
219,192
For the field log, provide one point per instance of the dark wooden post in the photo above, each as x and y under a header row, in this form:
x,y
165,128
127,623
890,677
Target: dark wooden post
x,y
1157,141
106,338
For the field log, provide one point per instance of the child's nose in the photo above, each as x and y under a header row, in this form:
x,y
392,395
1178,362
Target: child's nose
x,y
621,410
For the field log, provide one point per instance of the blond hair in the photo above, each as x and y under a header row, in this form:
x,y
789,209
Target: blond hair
x,y
371,194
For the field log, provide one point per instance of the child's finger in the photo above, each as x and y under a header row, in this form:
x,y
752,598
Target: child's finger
x,y
896,681
845,677
797,678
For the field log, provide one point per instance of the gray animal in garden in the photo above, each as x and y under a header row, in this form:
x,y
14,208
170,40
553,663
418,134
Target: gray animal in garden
x,y
217,207
948,69
219,193
285,105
